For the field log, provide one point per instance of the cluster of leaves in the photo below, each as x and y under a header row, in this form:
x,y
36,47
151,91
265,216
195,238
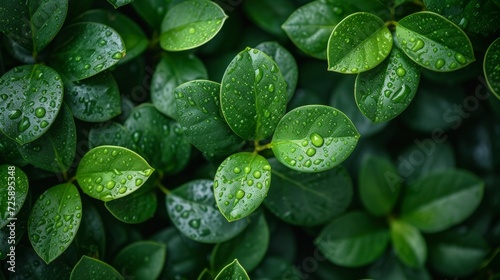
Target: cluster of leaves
x,y
243,142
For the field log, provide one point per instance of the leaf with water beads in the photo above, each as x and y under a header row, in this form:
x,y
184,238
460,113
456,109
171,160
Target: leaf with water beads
x,y
234,270
143,259
358,43
241,184
118,3
135,208
54,221
16,186
492,67
91,268
434,42
111,172
314,138
30,99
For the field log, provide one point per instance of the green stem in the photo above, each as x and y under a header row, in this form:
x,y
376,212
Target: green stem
x,y
259,148
163,188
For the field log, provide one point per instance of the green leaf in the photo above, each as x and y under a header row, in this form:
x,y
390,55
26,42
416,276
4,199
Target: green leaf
x,y
12,233
269,15
173,70
314,138
9,152
15,16
86,48
358,43
13,192
491,68
379,185
354,239
54,221
152,11
192,209
142,259
91,268
111,172
90,239
110,133
434,42
56,149
118,3
198,112
241,184
46,19
31,96
390,267
386,91
409,244
190,24
32,266
439,201
308,199
95,99
309,27
158,139
135,208
253,95
234,270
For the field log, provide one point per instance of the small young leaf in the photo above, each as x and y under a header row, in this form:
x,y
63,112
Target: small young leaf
x,y
111,172
54,221
12,193
234,270
314,138
241,184
110,133
491,69
143,259
358,43
354,239
409,244
91,268
434,42
86,48
308,199
46,19
118,3
190,24
135,208
439,201
253,95
31,96
386,91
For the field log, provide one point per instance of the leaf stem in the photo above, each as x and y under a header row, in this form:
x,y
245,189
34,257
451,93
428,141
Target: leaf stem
x,y
163,188
259,148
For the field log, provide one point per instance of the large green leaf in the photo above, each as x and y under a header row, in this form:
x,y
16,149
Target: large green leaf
x,y
54,221
439,201
409,244
253,95
434,42
308,199
30,99
91,268
111,172
491,67
13,192
241,183
234,270
192,209
142,259
358,43
314,138
309,27
190,24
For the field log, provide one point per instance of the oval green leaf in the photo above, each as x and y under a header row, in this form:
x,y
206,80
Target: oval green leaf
x,y
47,18
314,138
12,193
269,15
308,199
111,172
90,239
439,201
54,221
409,244
85,49
491,69
354,239
30,99
234,270
153,11
434,42
253,95
358,43
15,17
241,183
386,91
389,267
110,133
135,208
192,209
190,24
91,268
142,259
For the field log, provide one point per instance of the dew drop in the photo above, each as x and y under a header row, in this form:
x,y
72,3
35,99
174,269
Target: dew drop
x,y
239,194
138,182
259,185
258,75
117,55
311,152
460,58
257,174
24,124
401,94
247,169
316,140
439,63
35,238
111,184
15,114
400,71
40,112
122,190
237,170
419,44
195,223
4,97
308,163
99,188
453,65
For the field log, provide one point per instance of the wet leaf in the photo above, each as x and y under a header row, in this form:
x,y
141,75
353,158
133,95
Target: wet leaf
x,y
119,3
135,208
91,268
46,19
142,259
15,16
269,15
390,267
90,239
409,244
30,265
153,11
13,192
110,133
491,68
234,270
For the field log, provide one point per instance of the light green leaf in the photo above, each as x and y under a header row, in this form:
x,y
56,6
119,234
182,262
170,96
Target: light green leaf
x,y
13,192
142,259
314,138
46,19
234,270
358,43
491,67
434,42
409,244
91,268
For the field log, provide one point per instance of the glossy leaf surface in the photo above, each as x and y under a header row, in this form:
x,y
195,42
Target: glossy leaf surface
x,y
134,208
91,268
491,68
234,270
143,259
46,18
409,244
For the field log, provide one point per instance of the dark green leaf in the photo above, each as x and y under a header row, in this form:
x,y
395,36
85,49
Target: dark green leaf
x,y
358,43
29,265
308,199
135,208
110,133
91,268
491,68
192,209
86,48
15,17
384,92
390,267
12,193
249,247
234,270
241,184
152,11
91,237
274,268
409,244
269,15
47,18
354,239
118,3
309,27
190,24
439,201
18,227
111,172
54,221
434,42
314,138
9,152
142,259
205,275
253,95
31,96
